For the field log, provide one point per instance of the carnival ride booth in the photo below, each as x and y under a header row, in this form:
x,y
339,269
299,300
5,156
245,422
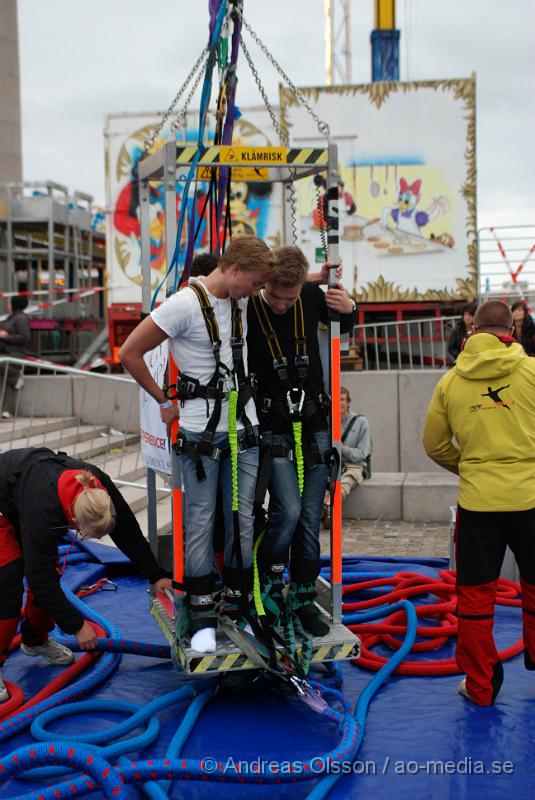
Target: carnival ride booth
x,y
184,166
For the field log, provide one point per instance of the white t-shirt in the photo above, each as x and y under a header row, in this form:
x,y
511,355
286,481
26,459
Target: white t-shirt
x,y
180,317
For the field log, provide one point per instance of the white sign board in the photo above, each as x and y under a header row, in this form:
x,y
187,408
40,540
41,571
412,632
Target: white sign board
x,y
153,433
407,195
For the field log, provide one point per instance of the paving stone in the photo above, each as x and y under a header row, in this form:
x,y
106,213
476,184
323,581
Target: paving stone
x,y
392,538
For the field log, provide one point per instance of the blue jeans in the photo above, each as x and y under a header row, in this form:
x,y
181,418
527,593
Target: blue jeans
x,y
200,499
294,521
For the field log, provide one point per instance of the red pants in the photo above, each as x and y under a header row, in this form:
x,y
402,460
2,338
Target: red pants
x,y
482,538
37,623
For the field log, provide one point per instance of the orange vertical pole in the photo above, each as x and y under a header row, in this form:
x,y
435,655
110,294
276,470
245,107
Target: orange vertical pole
x,y
176,494
336,532
334,364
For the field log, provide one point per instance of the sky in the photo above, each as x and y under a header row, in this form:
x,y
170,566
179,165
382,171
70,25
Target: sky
x,y
80,61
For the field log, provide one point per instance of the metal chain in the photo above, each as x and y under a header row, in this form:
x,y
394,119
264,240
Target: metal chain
x,y
149,143
322,125
283,137
323,225
290,188
181,115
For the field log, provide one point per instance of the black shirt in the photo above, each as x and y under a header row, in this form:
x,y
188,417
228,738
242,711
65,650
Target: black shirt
x,y
261,362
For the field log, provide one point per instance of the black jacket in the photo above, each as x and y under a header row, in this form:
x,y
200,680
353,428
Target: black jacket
x,y
458,335
527,335
29,498
261,362
18,341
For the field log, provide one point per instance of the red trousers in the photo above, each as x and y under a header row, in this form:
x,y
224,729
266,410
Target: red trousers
x,y
482,538
36,623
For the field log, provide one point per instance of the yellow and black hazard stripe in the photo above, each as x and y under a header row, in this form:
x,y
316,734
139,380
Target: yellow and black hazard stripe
x,y
336,652
209,155
154,610
295,156
307,155
220,663
231,661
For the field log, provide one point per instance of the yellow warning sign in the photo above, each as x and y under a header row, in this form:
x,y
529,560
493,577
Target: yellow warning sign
x,y
205,173
230,154
238,173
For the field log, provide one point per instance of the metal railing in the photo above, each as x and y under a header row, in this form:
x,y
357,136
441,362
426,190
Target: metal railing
x,y
90,416
405,344
506,262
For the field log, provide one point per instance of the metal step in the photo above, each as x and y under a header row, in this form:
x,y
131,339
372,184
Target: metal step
x,y
87,450
340,644
20,430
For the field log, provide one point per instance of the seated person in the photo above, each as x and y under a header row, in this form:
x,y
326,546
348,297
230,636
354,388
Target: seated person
x,y
356,451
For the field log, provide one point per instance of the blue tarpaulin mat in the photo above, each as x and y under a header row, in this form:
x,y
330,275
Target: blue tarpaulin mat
x,y
423,741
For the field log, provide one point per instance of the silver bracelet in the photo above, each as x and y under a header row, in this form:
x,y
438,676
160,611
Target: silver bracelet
x,y
165,404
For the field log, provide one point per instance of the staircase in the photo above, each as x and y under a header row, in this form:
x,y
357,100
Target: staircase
x,y
114,452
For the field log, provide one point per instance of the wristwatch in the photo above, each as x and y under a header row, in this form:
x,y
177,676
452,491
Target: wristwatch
x,y
165,404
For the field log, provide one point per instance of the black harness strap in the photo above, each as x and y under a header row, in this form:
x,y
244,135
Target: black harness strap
x,y
218,387
296,406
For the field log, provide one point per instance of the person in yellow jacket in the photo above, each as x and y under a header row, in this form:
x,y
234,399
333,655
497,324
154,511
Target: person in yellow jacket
x,y
486,403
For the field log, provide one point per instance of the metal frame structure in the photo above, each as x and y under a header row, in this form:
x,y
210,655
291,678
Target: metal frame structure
x,y
337,15
48,230
171,164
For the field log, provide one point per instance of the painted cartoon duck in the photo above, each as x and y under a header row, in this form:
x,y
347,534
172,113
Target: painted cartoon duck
x,y
406,215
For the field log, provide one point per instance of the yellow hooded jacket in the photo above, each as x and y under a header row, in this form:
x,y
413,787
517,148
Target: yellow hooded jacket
x,y
487,402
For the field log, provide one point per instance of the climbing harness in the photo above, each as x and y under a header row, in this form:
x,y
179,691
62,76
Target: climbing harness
x,y
219,388
296,408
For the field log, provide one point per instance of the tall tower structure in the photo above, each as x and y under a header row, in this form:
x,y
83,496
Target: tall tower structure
x,y
10,128
385,42
337,41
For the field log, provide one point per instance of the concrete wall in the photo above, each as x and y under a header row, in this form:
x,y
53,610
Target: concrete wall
x,y
107,403
396,405
92,400
10,130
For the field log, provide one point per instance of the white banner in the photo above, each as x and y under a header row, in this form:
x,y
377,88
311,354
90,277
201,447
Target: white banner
x,y
154,443
407,188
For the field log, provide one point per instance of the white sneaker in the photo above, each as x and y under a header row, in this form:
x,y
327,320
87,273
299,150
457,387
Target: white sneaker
x,y
6,415
4,694
52,651
463,690
204,641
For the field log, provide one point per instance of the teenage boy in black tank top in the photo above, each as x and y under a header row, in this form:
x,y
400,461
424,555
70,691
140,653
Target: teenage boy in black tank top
x,y
288,311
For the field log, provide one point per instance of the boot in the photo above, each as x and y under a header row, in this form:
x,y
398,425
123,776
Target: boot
x,y
234,605
203,619
301,596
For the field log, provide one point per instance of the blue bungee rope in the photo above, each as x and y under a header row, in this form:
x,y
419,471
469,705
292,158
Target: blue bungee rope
x,y
203,111
351,727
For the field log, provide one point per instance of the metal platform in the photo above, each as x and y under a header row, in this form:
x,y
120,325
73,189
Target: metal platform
x,y
339,645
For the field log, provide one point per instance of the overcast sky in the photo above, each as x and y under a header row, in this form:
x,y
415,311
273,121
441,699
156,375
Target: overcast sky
x,y
80,61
